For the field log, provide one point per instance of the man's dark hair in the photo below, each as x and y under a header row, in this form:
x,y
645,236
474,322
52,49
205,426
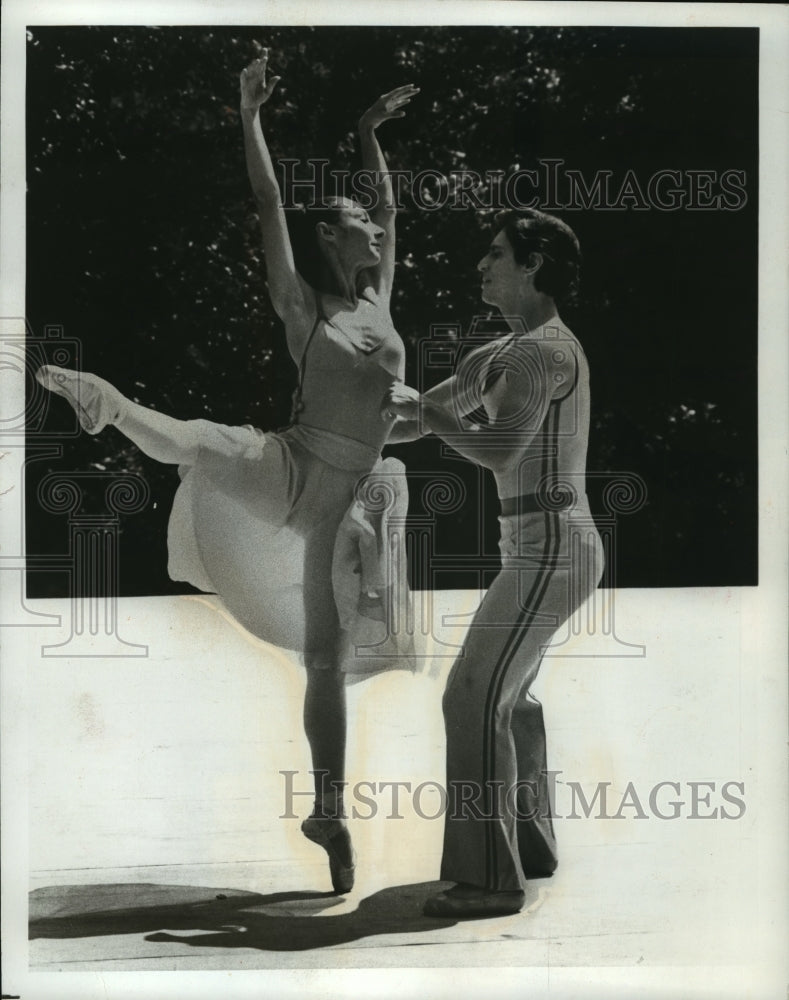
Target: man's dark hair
x,y
531,231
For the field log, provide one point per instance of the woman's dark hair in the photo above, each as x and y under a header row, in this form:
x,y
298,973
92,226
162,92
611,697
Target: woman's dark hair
x,y
531,231
307,255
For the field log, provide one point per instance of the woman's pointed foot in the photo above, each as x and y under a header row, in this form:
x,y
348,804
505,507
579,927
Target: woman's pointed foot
x,y
95,401
333,836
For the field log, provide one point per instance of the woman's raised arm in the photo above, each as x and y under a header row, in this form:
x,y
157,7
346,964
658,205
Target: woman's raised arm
x,y
291,296
390,105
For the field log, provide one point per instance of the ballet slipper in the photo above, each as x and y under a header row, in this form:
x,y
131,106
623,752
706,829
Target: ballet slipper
x,y
95,401
333,836
464,900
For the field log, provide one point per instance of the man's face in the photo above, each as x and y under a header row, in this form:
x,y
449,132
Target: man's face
x,y
502,276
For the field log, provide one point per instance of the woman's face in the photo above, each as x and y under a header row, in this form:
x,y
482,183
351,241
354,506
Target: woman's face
x,y
502,275
357,238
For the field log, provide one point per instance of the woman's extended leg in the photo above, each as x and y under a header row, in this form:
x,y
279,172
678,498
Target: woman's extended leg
x,y
98,403
163,438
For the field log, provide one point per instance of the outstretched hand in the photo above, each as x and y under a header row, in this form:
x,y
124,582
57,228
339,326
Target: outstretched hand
x,y
388,106
255,88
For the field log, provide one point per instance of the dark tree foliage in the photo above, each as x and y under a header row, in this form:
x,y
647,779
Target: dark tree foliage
x,y
142,243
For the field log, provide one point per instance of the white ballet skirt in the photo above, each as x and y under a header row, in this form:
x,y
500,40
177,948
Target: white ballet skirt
x,y
238,527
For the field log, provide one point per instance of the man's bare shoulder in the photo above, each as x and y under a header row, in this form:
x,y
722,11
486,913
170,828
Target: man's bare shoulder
x,y
552,343
553,350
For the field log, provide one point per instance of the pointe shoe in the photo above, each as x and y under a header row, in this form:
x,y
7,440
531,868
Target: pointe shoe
x,y
95,401
333,836
464,900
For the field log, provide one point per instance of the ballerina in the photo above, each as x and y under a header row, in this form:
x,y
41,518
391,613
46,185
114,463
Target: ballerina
x,y
260,518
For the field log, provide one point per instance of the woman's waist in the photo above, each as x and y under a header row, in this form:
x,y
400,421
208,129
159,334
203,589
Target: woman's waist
x,y
334,447
346,405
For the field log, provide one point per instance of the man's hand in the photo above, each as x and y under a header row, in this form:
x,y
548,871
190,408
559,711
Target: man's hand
x,y
401,401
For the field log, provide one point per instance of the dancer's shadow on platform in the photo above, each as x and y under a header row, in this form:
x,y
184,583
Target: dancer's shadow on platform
x,y
228,918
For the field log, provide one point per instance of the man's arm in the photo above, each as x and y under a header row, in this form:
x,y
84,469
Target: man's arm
x,y
489,445
455,395
403,431
524,394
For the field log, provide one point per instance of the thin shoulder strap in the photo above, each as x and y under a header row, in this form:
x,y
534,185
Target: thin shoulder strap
x,y
298,404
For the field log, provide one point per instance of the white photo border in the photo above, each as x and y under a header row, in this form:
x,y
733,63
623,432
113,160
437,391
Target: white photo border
x,y
765,607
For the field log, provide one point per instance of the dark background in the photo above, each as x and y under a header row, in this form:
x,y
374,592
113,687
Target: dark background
x,y
142,244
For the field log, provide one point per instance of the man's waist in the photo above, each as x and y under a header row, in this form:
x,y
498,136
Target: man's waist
x,y
556,498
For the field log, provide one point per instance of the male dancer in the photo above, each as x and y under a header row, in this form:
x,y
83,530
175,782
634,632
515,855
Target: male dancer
x,y
533,383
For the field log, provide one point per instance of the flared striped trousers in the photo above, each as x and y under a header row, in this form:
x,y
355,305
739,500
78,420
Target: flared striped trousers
x,y
498,829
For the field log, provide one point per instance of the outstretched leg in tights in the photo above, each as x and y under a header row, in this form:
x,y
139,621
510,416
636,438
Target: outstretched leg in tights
x,y
97,403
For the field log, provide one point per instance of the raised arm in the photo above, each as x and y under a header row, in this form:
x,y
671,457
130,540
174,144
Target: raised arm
x,y
390,105
291,296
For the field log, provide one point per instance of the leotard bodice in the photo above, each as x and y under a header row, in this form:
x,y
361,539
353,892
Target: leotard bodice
x,y
351,360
